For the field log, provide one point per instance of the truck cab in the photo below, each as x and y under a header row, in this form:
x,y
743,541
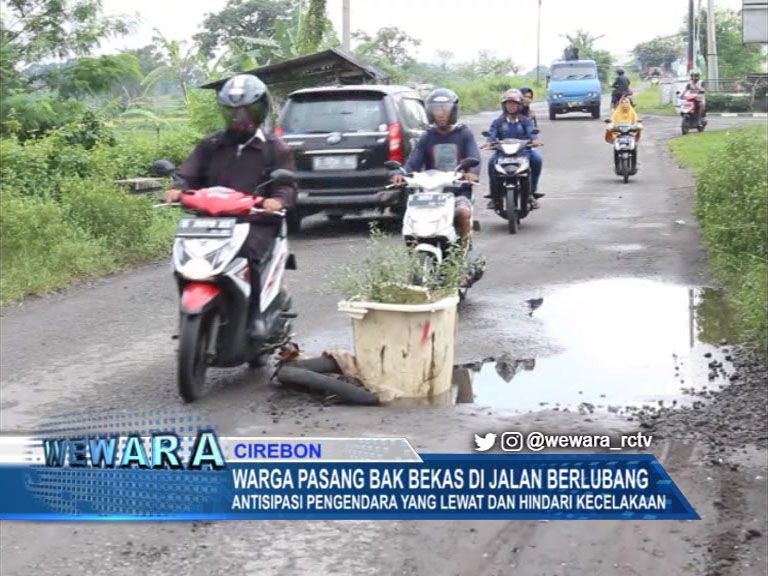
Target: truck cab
x,y
573,86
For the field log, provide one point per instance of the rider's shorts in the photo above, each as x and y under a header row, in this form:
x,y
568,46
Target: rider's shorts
x,y
463,202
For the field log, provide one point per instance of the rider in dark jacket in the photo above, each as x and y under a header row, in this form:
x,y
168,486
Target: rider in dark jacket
x,y
241,157
620,87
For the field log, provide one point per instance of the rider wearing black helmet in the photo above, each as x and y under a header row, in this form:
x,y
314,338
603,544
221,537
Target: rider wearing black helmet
x,y
620,87
241,157
442,147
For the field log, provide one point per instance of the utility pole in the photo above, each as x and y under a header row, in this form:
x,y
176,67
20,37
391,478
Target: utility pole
x,y
691,55
345,25
713,72
538,44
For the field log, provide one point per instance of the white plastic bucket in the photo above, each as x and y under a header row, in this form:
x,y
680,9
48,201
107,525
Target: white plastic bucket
x,y
404,350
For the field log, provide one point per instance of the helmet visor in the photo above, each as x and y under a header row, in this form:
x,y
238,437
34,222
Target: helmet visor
x,y
440,107
252,114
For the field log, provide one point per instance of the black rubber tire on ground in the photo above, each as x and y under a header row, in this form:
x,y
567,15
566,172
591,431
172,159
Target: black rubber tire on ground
x,y
513,222
350,393
625,170
684,127
193,341
552,114
596,112
700,127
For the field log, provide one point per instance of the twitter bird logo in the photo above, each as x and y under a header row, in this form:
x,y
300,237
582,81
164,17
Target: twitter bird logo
x,y
485,443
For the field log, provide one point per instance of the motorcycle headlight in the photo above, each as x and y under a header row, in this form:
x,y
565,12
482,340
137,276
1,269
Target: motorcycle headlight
x,y
197,269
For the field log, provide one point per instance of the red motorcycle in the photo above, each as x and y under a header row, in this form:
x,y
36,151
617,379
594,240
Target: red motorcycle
x,y
214,283
691,110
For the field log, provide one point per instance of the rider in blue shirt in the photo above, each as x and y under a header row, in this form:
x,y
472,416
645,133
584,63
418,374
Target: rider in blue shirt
x,y
513,124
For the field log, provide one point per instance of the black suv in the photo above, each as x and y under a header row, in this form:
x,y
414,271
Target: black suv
x,y
341,136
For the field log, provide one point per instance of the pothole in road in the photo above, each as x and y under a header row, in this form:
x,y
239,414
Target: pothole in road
x,y
624,343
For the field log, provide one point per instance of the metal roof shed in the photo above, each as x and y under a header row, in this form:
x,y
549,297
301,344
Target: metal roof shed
x,y
329,67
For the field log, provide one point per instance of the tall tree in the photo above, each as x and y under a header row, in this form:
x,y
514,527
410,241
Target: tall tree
x,y
314,26
181,63
241,19
660,51
584,42
388,47
89,76
32,30
735,59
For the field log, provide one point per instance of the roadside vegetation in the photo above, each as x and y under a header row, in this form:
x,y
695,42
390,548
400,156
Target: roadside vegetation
x,y
648,101
731,169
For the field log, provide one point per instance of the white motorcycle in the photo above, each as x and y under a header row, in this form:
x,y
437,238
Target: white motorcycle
x,y
428,221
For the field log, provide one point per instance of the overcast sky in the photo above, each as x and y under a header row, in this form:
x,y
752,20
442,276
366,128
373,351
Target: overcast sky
x,y
464,27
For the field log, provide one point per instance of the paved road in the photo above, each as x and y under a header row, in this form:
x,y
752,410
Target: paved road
x,y
106,346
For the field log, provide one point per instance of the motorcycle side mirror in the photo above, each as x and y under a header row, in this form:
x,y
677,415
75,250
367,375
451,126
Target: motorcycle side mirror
x,y
468,163
281,175
607,120
677,93
393,165
485,133
163,167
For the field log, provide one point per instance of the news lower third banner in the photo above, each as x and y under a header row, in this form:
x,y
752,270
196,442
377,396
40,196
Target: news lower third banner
x,y
165,476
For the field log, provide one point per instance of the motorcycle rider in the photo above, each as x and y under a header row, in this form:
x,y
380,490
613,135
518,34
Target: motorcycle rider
x,y
696,87
624,113
241,157
620,87
513,124
527,110
442,147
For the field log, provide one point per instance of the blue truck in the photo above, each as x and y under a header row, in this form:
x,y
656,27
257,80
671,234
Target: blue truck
x,y
573,86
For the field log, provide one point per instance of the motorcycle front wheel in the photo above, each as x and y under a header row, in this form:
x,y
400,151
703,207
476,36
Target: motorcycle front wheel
x,y
193,342
684,126
427,265
513,221
625,168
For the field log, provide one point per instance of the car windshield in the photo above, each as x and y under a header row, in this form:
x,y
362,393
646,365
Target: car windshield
x,y
575,72
325,112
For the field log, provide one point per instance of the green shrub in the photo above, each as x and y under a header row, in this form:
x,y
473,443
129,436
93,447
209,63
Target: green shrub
x,y
732,208
728,103
28,116
204,113
40,250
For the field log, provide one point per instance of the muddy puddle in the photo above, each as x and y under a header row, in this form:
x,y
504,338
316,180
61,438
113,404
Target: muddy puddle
x,y
623,343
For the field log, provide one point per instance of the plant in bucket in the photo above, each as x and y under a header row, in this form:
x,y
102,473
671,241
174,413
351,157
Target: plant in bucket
x,y
403,317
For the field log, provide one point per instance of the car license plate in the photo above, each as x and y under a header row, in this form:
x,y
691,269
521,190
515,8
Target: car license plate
x,y
206,227
575,104
335,162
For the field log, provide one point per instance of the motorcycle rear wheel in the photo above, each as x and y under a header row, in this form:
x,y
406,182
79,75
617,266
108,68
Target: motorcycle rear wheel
x,y
513,220
193,342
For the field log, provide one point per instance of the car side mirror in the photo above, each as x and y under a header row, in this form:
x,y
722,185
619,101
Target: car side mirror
x,y
393,165
163,167
468,163
282,175
485,133
548,78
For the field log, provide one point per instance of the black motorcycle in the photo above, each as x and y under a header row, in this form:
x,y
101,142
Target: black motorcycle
x,y
513,196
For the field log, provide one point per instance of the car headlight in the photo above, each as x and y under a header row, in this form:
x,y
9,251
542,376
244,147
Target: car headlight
x,y
592,94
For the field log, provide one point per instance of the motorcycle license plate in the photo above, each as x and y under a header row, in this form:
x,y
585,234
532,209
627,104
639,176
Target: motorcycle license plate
x,y
428,200
206,227
335,162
